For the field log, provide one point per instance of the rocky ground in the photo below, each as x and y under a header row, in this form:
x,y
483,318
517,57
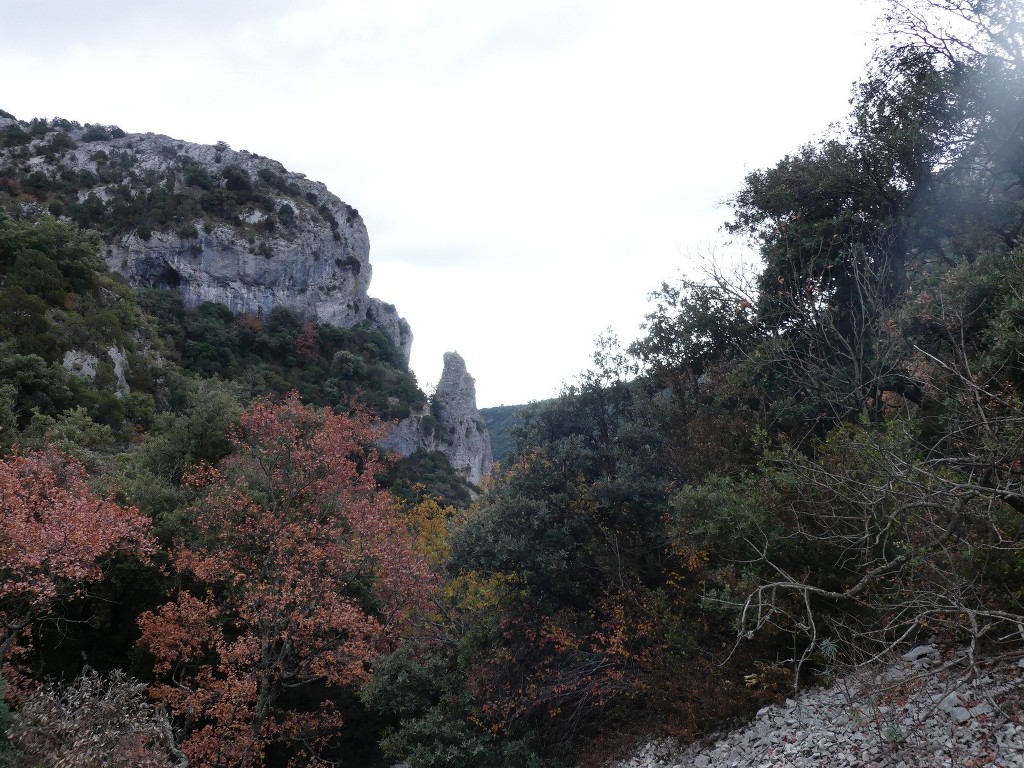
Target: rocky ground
x,y
926,710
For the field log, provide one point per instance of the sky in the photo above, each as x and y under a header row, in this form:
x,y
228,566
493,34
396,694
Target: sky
x,y
528,170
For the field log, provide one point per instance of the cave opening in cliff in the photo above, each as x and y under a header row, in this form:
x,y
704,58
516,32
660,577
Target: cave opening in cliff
x,y
167,278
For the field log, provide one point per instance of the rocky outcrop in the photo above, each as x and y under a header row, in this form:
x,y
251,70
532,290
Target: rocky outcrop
x,y
230,227
452,425
213,223
461,429
87,365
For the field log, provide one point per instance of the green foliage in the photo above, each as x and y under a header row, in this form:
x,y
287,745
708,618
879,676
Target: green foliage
x,y
502,421
55,293
427,474
7,751
8,418
47,256
56,296
74,432
327,365
237,180
435,741
150,474
37,385
196,175
15,136
421,689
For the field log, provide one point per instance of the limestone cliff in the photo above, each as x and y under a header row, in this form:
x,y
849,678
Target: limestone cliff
x,y
451,425
230,227
214,223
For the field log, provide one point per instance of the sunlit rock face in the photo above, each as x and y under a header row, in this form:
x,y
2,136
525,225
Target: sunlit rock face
x,y
220,225
452,425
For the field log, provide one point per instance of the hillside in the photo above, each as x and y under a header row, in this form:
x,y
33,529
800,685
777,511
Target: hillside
x,y
804,478
232,255
501,421
209,222
151,306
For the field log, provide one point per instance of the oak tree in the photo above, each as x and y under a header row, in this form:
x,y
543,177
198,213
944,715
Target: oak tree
x,y
54,537
301,574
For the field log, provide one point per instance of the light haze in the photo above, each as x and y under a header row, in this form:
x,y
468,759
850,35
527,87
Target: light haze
x,y
528,171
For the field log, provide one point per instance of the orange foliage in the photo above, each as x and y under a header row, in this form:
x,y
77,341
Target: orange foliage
x,y
295,538
54,533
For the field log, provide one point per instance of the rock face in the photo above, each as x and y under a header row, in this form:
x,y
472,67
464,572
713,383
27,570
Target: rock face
x,y
452,425
229,227
86,365
217,225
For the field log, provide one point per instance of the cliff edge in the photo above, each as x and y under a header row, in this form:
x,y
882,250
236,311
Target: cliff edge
x,y
213,223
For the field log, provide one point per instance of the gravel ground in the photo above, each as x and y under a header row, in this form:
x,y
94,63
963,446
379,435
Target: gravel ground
x,y
927,710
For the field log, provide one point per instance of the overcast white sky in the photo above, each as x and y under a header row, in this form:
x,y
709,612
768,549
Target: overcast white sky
x,y
528,170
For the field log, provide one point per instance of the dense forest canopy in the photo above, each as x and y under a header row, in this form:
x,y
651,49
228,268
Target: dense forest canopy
x,y
788,473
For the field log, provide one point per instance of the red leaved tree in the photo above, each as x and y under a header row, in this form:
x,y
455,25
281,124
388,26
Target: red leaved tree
x,y
54,535
302,574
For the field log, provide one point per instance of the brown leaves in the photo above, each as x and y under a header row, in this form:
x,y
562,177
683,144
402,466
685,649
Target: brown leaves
x,y
304,575
53,535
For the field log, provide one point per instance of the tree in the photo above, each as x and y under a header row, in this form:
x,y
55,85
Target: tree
x,y
570,540
905,522
54,536
300,575
695,337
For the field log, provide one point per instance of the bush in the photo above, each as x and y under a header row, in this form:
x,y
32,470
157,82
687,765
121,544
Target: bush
x,y
97,721
196,175
14,136
286,215
61,142
236,179
96,133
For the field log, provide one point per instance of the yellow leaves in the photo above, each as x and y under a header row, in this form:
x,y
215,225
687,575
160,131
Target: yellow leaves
x,y
430,524
473,592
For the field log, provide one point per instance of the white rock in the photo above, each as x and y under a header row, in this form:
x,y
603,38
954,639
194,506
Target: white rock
x,y
960,715
80,363
950,702
920,652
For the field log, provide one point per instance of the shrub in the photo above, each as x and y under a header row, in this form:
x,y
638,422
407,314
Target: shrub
x,y
196,175
97,721
14,136
236,179
96,133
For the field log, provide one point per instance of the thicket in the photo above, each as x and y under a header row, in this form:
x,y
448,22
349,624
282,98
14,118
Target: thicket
x,y
815,463
327,365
